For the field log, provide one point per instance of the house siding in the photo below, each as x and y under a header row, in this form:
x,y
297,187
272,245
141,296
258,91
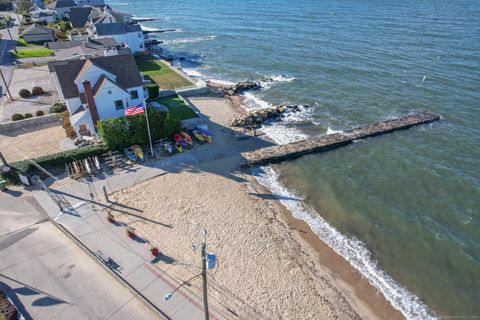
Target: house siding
x,y
105,101
141,97
131,39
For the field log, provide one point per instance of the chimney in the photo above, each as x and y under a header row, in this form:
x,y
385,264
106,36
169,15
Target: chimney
x,y
90,101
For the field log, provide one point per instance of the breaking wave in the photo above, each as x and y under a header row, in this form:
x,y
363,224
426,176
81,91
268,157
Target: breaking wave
x,y
353,250
189,40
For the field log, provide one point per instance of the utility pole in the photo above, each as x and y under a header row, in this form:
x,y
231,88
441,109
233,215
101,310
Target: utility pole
x,y
2,160
6,85
204,273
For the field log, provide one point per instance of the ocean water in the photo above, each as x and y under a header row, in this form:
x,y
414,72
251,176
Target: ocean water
x,y
403,208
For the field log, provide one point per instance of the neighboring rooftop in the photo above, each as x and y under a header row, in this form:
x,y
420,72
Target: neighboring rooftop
x,y
90,43
80,49
122,66
79,16
36,29
108,29
61,4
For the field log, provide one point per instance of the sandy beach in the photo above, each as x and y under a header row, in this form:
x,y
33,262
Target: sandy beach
x,y
271,266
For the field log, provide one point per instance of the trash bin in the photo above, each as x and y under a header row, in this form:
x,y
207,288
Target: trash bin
x,y
3,185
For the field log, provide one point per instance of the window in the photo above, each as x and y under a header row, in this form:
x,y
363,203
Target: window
x,y
83,127
134,94
139,34
118,104
109,91
141,46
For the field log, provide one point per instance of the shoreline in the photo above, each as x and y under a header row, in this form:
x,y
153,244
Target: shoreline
x,y
354,283
294,260
372,301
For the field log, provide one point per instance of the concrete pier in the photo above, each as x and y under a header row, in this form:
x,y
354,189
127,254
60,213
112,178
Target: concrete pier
x,y
330,141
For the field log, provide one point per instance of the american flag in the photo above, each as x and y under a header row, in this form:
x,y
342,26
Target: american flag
x,y
134,110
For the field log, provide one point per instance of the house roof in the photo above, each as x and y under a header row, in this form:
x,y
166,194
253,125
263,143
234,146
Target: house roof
x,y
79,16
103,79
91,43
43,13
61,4
107,29
122,66
36,29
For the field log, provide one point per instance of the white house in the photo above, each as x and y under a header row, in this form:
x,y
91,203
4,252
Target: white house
x,y
61,7
129,34
97,88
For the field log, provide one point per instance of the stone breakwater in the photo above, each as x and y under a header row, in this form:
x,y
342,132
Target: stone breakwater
x,y
330,141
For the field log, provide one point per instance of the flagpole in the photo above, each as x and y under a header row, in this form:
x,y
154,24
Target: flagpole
x,y
148,128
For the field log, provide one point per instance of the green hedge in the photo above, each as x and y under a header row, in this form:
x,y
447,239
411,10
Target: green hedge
x,y
120,133
56,159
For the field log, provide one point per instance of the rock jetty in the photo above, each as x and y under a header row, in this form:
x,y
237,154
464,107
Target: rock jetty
x,y
327,142
233,89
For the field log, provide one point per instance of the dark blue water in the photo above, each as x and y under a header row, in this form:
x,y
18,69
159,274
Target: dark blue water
x,y
404,207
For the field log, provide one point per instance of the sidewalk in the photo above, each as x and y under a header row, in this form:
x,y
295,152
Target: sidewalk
x,y
129,259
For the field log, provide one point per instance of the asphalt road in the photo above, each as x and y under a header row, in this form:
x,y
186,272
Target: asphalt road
x,y
47,276
8,43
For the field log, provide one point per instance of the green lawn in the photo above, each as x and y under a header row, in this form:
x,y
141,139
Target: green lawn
x,y
31,53
177,107
160,73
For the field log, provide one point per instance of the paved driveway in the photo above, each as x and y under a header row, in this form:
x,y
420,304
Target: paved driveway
x,y
27,78
48,276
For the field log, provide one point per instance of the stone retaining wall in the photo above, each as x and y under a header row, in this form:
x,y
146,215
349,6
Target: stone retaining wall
x,y
30,124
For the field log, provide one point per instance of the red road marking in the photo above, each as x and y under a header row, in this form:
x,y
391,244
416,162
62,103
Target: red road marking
x,y
173,286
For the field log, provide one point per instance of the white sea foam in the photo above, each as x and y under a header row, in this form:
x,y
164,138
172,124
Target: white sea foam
x,y
189,40
145,28
331,131
267,82
223,82
281,132
353,250
193,72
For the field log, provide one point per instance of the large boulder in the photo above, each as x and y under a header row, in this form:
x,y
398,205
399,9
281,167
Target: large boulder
x,y
233,89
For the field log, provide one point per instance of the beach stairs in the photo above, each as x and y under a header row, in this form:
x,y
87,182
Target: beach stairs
x,y
115,160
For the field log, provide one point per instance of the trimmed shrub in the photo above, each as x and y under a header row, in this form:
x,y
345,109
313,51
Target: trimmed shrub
x,y
28,115
67,125
119,133
39,113
24,93
153,90
58,108
36,91
17,116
